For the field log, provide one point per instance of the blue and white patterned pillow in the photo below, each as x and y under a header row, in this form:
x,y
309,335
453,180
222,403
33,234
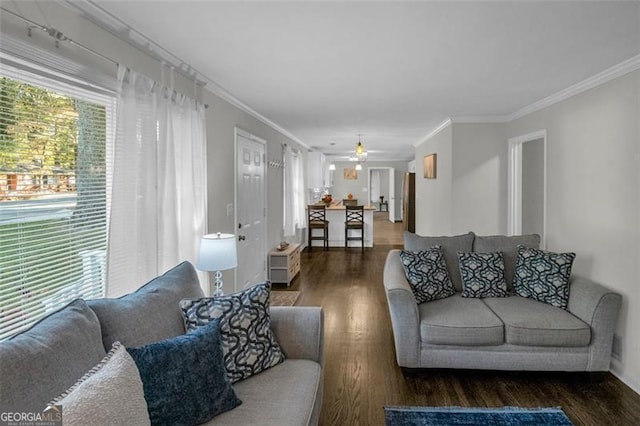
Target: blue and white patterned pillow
x,y
543,276
248,344
427,274
482,274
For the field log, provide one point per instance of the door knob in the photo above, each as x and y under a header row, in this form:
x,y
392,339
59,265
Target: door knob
x,y
241,238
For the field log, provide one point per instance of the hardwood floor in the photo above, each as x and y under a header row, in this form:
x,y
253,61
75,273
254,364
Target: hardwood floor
x,y
361,374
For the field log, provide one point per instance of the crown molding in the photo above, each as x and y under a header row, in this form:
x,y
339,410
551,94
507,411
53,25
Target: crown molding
x,y
618,70
609,74
92,12
434,132
480,119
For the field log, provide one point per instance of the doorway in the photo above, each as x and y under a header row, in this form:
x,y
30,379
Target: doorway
x,y
251,209
527,185
382,183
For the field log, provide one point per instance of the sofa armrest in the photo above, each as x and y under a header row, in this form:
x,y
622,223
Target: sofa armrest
x,y
597,306
405,318
299,331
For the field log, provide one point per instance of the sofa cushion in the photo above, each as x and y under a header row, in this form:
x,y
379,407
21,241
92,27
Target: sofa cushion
x,y
427,274
42,362
459,321
115,382
248,344
184,379
509,248
531,323
450,248
150,314
283,395
482,275
543,276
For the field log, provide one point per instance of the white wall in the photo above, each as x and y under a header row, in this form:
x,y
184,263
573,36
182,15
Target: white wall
x,y
593,194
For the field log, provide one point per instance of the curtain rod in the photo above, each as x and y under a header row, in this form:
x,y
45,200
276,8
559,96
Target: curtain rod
x,y
58,36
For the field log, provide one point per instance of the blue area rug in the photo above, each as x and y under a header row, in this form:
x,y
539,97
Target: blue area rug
x,y
503,416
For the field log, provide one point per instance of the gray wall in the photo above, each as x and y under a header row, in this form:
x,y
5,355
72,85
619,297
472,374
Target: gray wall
x,y
221,116
593,194
434,196
479,179
533,187
358,188
593,190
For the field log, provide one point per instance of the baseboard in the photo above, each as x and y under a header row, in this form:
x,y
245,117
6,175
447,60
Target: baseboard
x,y
616,370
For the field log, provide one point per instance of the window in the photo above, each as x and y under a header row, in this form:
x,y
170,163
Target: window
x,y
54,136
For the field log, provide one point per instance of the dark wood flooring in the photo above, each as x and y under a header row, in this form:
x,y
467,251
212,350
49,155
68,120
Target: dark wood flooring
x,y
361,374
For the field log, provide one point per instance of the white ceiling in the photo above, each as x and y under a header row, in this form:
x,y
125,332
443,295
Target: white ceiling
x,y
389,70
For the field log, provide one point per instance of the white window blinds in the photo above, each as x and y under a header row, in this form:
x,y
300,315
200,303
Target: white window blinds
x,y
54,140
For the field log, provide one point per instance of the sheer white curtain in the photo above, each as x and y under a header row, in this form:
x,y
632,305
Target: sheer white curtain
x,y
158,198
294,196
375,185
289,194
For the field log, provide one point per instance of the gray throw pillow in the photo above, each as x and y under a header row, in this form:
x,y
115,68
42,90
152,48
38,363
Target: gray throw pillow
x,y
151,313
543,276
111,390
482,275
248,344
509,248
47,359
450,248
427,274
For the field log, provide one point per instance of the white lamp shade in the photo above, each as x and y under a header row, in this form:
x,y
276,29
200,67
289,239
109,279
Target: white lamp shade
x,y
217,252
358,167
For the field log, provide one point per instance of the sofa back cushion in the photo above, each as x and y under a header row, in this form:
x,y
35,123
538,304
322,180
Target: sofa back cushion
x,y
509,248
150,314
42,362
450,248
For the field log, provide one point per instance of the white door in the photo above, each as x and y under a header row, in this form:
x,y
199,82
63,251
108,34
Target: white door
x,y
250,210
392,194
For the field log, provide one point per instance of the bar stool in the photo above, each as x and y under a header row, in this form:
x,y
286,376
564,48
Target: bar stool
x,y
317,219
354,220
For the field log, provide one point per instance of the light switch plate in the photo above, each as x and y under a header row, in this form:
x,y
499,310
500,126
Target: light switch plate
x,y
229,210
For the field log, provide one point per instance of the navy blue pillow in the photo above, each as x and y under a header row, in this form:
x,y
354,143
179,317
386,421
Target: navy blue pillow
x,y
184,378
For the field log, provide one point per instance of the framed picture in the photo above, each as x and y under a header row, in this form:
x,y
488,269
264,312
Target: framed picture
x,y
430,166
350,174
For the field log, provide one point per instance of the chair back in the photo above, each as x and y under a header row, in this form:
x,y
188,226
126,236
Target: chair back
x,y
354,214
316,213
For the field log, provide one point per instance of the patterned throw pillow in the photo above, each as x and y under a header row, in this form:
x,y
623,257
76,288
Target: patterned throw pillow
x,y
543,276
427,274
482,275
184,379
248,344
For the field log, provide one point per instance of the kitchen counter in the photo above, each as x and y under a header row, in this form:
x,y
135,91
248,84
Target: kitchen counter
x,y
336,218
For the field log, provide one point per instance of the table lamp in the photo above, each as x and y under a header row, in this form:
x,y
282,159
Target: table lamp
x,y
217,253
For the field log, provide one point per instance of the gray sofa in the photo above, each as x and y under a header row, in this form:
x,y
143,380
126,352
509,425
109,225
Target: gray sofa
x,y
44,361
501,333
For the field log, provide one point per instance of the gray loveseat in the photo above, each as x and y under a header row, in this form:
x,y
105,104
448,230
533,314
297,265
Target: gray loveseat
x,y
501,333
44,361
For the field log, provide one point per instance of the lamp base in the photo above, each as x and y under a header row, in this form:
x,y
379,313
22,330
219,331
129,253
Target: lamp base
x,y
218,284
